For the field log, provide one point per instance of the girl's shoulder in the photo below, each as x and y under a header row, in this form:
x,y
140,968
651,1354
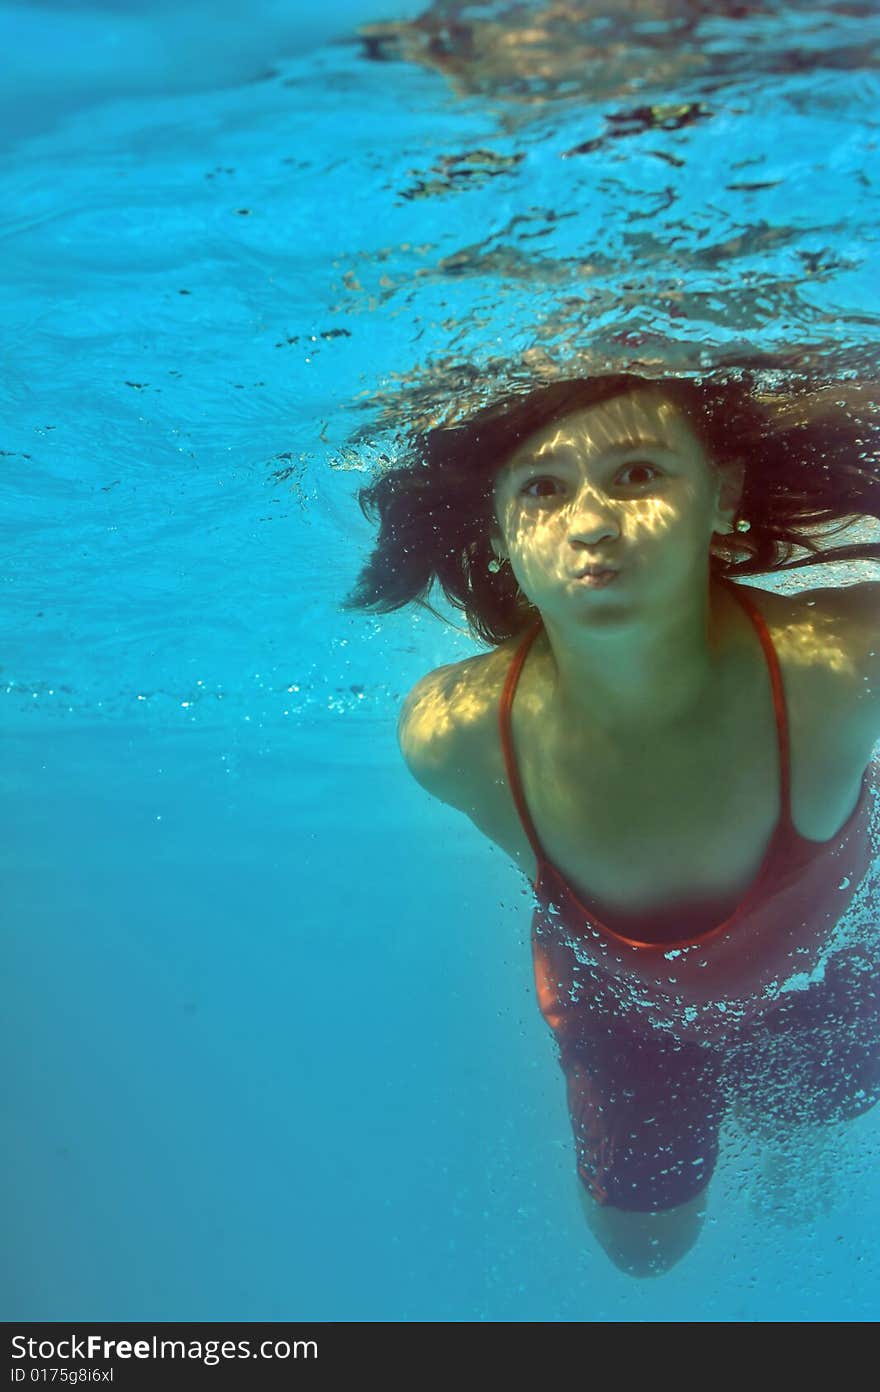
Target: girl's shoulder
x,y
827,641
448,721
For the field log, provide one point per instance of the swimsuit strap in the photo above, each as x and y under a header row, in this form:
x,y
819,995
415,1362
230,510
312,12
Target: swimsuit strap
x,y
779,704
504,710
506,704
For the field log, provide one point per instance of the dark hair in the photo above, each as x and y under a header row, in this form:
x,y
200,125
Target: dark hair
x,y
812,468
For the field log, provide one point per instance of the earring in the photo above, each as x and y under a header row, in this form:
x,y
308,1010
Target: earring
x,y
495,565
742,525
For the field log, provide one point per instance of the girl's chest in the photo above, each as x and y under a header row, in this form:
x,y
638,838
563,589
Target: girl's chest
x,y
653,822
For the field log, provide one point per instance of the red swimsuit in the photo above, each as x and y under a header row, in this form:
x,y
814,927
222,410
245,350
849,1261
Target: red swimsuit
x,y
669,984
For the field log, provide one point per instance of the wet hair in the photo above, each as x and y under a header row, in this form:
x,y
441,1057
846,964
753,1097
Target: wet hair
x,y
812,468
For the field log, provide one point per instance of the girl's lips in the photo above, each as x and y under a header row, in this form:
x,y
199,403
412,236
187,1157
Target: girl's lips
x,y
597,580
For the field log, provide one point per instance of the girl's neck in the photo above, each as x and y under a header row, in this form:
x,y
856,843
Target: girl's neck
x,y
659,671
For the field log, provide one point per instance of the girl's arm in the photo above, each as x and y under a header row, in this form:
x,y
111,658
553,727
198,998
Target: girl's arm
x,y
852,613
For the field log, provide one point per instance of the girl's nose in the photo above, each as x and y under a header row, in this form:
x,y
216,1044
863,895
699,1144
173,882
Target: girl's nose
x,y
592,520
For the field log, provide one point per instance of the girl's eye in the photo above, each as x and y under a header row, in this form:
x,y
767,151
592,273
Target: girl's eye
x,y
642,464
550,480
533,483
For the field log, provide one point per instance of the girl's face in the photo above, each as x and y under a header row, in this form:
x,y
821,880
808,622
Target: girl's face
x,y
625,484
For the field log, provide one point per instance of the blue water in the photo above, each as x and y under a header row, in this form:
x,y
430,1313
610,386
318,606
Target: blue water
x,y
274,1046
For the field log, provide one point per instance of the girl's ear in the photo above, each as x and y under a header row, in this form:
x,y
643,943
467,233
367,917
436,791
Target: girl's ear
x,y
730,488
498,547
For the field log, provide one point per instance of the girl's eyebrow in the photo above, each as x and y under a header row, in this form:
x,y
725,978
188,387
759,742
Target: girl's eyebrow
x,y
563,450
642,442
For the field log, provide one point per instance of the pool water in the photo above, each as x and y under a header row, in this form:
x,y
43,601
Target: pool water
x,y
275,1049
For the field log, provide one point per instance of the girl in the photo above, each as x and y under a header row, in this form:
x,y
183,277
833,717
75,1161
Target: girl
x,y
677,761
